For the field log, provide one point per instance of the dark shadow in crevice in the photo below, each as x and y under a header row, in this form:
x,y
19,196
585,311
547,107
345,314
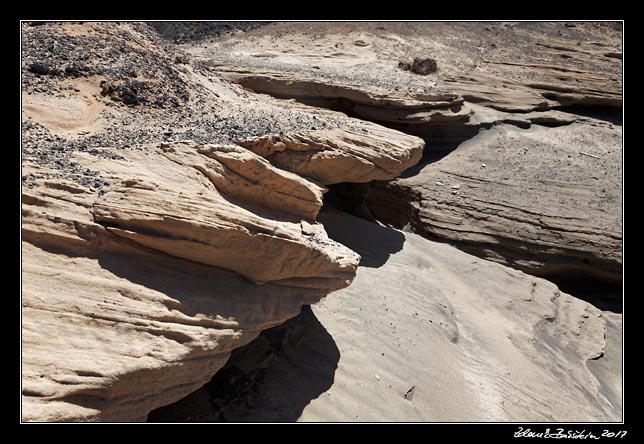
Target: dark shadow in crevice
x,y
610,114
350,198
272,379
433,153
374,245
605,297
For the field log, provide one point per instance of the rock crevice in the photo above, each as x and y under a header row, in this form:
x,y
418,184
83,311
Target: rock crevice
x,y
143,270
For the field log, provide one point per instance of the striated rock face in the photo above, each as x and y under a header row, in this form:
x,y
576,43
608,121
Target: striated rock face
x,y
510,67
112,330
169,216
202,223
543,200
145,262
424,333
536,106
341,156
421,114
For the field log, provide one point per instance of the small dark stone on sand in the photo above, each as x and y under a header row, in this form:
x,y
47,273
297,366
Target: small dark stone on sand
x,y
421,66
39,68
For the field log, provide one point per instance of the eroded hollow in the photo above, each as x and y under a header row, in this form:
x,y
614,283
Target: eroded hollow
x,y
350,198
271,379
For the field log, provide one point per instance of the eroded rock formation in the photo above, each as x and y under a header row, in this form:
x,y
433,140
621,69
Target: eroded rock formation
x,y
520,197
169,215
543,200
146,262
425,332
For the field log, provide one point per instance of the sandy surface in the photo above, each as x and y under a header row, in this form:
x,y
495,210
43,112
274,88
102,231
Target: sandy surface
x,y
424,333
394,328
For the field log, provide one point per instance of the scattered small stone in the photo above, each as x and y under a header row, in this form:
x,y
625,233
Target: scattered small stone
x,y
421,66
410,393
39,68
76,69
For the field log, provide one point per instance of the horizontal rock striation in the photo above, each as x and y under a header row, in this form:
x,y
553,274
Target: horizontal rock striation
x,y
146,262
512,67
544,200
376,153
536,107
512,347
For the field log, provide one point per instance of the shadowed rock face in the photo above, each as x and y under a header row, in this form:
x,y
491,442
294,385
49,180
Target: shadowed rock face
x,y
272,379
536,183
351,198
543,200
424,333
146,262
169,215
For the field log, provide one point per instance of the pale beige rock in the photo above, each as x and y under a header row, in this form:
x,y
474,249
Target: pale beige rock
x,y
111,330
202,224
111,335
134,297
290,85
548,200
145,263
126,302
426,333
551,211
375,153
518,67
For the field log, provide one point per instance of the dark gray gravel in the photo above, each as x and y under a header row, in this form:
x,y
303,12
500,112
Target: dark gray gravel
x,y
184,32
146,80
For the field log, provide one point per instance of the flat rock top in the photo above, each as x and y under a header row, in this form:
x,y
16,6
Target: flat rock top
x,y
366,54
114,86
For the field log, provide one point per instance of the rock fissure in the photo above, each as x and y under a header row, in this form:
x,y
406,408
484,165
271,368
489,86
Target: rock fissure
x,y
149,267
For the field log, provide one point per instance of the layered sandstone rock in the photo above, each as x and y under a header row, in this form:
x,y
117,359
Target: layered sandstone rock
x,y
511,67
543,98
424,333
169,216
543,200
126,301
146,262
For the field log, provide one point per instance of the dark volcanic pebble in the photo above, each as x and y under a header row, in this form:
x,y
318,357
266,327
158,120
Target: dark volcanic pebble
x,y
39,68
